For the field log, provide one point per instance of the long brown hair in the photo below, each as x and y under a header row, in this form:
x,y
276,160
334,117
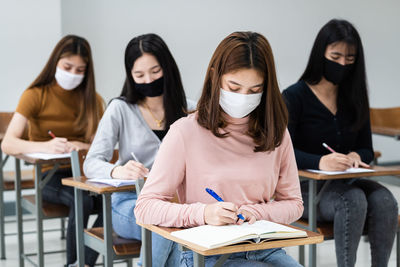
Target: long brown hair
x,y
244,50
90,106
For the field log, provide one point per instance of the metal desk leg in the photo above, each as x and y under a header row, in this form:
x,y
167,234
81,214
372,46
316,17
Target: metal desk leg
x,y
39,215
312,220
2,230
79,227
80,245
108,242
18,211
198,260
146,247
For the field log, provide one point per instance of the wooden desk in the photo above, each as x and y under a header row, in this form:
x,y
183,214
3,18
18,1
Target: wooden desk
x,y
386,131
40,182
313,198
199,252
80,184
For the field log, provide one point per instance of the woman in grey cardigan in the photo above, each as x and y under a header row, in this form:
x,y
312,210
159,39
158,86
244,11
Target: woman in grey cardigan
x,y
152,99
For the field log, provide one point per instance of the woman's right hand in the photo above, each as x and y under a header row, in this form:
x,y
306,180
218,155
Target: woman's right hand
x,y
57,145
335,162
221,213
132,170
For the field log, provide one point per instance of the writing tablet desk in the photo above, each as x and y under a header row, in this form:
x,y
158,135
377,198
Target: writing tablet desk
x,y
199,252
386,131
40,182
80,184
313,198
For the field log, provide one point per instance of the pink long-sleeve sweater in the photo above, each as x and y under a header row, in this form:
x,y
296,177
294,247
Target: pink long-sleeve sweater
x,y
191,158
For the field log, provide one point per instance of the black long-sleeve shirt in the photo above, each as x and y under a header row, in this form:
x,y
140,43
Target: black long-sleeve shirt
x,y
311,124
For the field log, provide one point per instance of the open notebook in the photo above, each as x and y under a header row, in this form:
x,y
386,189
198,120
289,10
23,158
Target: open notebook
x,y
46,156
113,182
210,236
350,170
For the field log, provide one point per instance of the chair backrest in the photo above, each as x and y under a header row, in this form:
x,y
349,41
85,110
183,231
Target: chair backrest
x,y
385,117
5,118
81,156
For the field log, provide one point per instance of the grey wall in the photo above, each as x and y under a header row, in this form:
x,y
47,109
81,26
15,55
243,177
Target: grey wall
x,y
28,32
192,30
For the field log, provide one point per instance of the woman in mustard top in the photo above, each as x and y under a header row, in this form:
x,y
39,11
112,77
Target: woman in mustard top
x,y
63,100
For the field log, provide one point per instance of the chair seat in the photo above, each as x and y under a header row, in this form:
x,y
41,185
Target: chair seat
x,y
121,246
326,229
27,180
377,154
50,210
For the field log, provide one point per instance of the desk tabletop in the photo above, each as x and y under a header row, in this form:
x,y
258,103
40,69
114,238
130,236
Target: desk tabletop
x,y
379,171
387,131
42,161
84,183
312,238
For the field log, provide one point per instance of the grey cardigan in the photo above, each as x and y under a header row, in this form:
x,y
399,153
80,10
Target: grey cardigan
x,y
122,124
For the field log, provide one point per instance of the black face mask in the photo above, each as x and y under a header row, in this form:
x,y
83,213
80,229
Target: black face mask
x,y
155,88
335,72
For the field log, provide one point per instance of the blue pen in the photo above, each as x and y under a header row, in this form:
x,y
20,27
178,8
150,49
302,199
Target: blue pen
x,y
218,198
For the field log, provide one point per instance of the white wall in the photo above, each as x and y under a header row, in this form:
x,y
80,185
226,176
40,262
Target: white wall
x,y
192,30
29,31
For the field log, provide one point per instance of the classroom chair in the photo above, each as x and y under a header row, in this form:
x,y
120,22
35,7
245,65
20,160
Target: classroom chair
x,y
385,121
125,249
7,180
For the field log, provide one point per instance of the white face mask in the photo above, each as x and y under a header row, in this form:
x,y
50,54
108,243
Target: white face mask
x,y
67,80
238,105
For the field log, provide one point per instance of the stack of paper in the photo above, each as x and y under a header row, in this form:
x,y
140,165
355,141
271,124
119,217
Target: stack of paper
x,y
350,170
113,182
46,156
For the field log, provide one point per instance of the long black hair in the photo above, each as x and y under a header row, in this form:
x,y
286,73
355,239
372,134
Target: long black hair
x,y
174,98
352,92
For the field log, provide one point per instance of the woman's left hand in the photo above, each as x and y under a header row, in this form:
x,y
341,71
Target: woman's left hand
x,y
356,159
76,145
248,217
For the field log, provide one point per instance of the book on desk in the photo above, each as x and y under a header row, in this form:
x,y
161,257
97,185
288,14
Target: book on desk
x,y
210,236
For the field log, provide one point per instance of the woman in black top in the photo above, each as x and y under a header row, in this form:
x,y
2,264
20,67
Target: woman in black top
x,y
329,104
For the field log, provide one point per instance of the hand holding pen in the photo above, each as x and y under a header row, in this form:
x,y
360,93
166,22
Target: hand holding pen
x,y
132,170
221,213
57,145
339,162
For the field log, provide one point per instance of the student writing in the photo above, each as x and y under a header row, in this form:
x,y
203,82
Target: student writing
x,y
330,104
152,99
237,142
62,99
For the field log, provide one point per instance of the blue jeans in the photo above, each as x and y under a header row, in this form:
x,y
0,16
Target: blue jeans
x,y
275,257
164,251
357,207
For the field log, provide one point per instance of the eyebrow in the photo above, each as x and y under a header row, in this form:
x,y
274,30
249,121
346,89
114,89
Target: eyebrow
x,y
71,65
340,54
235,83
139,71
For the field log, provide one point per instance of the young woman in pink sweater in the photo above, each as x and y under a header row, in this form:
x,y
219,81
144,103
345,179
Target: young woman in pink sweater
x,y
235,143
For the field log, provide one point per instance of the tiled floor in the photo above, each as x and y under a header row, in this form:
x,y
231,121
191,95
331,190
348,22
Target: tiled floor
x,y
325,251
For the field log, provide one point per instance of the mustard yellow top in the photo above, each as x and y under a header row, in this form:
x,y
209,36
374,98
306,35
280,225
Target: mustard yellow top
x,y
53,108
